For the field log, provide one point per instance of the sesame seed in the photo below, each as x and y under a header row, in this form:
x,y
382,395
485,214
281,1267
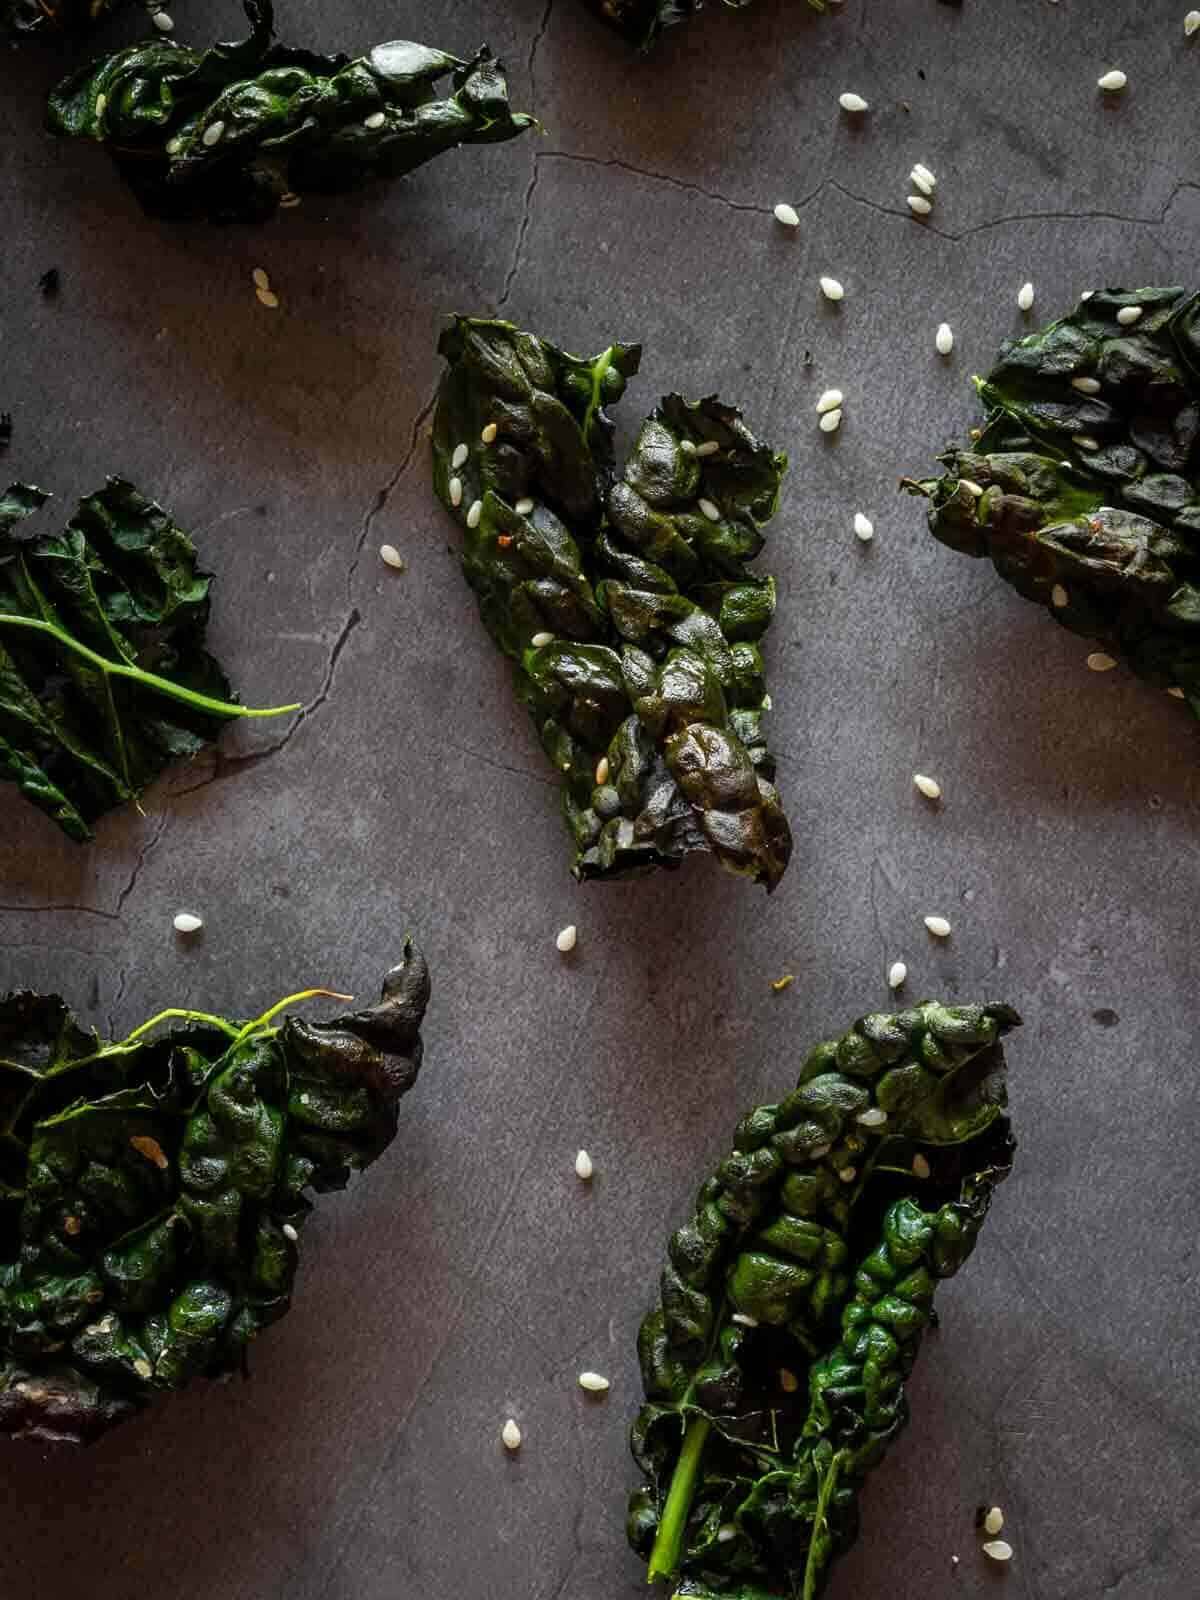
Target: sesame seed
x,y
953,1561
1112,82
787,215
539,640
1059,596
454,489
260,278
151,1149
391,557
523,507
1025,297
832,289
375,120
1085,385
143,1368
726,1532
971,487
853,102
712,512
872,1117
920,1166
993,1521
788,1381
593,1382
583,1166
864,527
929,787
1084,441
488,434
924,176
461,452
72,1225
829,401
743,1320
688,448
897,973
1177,693
268,298
1087,294
164,22
1128,315
100,106
1099,662
289,1232
174,146
602,770
919,206
831,421
289,199
212,133
943,339
938,927
565,939
474,512
708,448
187,922
1191,23
848,1174
511,1435
921,182
998,1549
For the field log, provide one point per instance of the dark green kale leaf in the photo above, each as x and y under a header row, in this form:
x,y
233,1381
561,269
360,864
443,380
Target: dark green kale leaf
x,y
1083,486
228,132
642,21
104,678
152,1191
792,1304
623,599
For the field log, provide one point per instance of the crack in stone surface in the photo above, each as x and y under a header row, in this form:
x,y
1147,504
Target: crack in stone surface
x,y
383,495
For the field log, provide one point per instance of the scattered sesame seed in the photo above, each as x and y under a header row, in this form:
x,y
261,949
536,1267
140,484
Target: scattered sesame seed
x,y
998,1549
726,1532
100,106
488,434
853,102
175,145
461,452
1191,23
454,489
164,21
708,448
993,1521
151,1149
511,1435
831,421
1128,315
1025,297
832,289
391,557
786,214
712,512
268,298
929,787
143,1368
864,527
848,1174
289,1232
872,1117
920,181
1059,596
788,1381
1112,82
829,401
920,1166
289,199
743,1320
780,984
919,206
1084,441
375,120
923,172
687,446
1177,693
943,339
540,640
897,973
583,1166
593,1383
1087,294
523,506
260,278
974,489
474,512
565,939
213,132
602,770
938,927
953,1561
1099,662
1085,385
187,922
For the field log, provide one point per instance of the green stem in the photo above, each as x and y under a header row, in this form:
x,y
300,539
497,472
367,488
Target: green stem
x,y
148,680
814,1567
600,367
281,1005
668,1543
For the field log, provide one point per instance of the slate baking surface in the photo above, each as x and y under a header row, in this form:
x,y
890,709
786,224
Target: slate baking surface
x,y
469,1276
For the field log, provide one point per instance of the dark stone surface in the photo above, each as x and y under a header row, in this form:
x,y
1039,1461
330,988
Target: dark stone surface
x,y
470,1275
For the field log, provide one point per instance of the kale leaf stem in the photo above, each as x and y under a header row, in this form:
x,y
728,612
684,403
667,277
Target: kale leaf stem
x,y
668,1543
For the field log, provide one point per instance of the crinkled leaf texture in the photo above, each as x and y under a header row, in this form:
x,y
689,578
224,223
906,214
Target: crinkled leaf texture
x,y
1083,487
226,133
792,1303
623,598
152,1191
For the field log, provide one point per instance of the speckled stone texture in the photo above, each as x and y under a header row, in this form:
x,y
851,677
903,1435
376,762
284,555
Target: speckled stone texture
x,y
470,1275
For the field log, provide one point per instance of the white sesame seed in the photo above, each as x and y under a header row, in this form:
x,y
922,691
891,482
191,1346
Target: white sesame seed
x,y
510,1434
174,146
164,22
872,1117
1084,441
1025,297
831,421
488,434
288,200
829,401
143,1368
540,640
993,1521
832,289
687,446
289,1232
787,215
100,106
260,278
1099,662
1112,81
458,459
1128,315
1177,693
1087,294
454,489
523,507
391,557
953,1561
1191,23
922,173
583,1166
1086,385
1059,596
929,787
919,206
268,298
602,770
944,339
712,512
938,927
853,102
708,448
593,1382
565,939
188,922
474,512
726,1532
974,489
921,182
864,527
920,1166
375,120
897,973
743,1320
848,1174
212,133
998,1549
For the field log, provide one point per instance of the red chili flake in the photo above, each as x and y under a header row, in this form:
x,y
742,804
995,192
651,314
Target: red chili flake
x,y
504,540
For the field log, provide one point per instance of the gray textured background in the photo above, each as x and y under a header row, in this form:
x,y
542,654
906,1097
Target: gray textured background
x,y
470,1275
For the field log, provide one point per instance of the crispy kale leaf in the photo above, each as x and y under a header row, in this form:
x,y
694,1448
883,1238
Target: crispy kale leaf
x,y
1083,487
793,1303
642,21
152,1190
622,599
104,678
226,133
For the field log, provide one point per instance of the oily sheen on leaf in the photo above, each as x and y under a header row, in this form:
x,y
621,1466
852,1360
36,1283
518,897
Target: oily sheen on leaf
x,y
622,596
793,1301
152,1190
